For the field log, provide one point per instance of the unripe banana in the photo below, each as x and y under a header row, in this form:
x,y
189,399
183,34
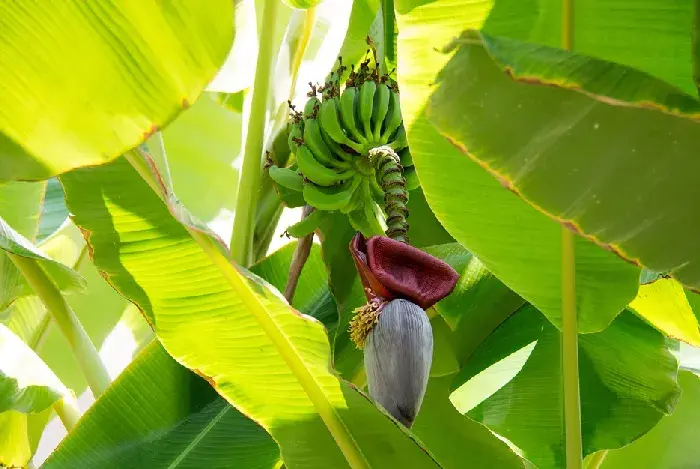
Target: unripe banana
x,y
314,140
357,198
296,136
364,217
286,177
331,124
381,106
398,355
311,108
316,172
308,224
377,191
331,198
367,90
393,118
347,113
335,147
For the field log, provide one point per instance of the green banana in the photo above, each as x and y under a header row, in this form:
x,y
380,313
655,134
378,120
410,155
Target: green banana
x,y
307,225
331,198
357,197
377,191
393,118
367,90
381,106
311,107
399,141
316,172
296,135
314,140
335,147
412,181
347,113
364,219
286,177
331,124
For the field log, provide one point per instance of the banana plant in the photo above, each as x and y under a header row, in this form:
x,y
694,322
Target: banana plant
x,y
364,234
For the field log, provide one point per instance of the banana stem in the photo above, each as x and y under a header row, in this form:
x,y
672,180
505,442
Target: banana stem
x,y
67,410
301,255
390,175
569,327
569,353
388,20
251,171
84,350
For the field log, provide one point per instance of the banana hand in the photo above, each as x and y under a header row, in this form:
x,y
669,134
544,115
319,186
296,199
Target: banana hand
x,y
316,172
331,198
286,177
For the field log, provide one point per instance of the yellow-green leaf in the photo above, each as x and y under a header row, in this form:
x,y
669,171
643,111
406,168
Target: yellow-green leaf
x,y
84,82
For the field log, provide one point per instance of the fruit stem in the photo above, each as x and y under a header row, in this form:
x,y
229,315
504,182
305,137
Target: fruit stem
x,y
390,177
251,171
301,255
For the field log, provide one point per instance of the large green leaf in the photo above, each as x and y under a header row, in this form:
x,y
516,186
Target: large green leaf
x,y
516,242
262,356
563,137
361,18
627,376
424,228
160,415
194,417
650,35
456,440
83,84
27,385
673,442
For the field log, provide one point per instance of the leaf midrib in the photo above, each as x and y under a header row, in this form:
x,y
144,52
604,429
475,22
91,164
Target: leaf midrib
x,y
181,457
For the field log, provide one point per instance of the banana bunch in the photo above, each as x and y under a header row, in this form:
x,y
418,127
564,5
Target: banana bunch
x,y
331,140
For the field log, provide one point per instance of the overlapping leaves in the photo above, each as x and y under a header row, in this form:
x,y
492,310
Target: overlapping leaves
x,y
262,356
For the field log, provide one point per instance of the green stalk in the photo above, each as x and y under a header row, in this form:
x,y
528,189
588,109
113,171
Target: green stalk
x,y
569,329
251,171
390,177
85,352
597,459
569,351
567,24
67,410
389,26
267,217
